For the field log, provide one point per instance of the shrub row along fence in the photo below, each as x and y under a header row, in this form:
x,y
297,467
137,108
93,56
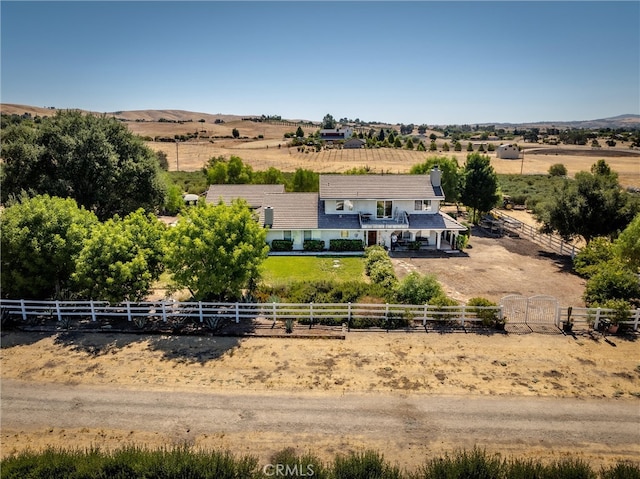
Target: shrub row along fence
x,y
353,315
552,242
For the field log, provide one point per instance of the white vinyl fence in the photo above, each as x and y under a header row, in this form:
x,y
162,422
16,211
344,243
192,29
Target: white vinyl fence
x,y
551,242
308,313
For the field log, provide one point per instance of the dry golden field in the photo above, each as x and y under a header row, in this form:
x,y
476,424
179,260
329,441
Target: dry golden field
x,y
271,150
266,153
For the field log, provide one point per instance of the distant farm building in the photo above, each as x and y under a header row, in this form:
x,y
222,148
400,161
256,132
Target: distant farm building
x,y
354,143
508,152
336,134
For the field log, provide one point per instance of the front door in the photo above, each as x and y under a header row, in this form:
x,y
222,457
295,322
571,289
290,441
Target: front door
x,y
372,238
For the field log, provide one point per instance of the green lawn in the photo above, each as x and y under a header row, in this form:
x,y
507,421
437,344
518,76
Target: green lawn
x,y
286,269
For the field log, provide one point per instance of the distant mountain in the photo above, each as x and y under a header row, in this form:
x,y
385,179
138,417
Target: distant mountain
x,y
630,121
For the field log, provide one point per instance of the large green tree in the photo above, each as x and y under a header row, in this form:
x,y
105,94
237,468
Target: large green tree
x,y
627,245
328,121
479,188
215,251
93,159
41,238
305,181
121,259
451,174
592,205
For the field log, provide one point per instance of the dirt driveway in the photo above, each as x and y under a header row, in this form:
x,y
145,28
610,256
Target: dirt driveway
x,y
496,267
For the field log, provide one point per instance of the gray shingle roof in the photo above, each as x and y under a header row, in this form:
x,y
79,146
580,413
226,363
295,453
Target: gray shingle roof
x,y
254,194
378,187
292,211
336,221
438,221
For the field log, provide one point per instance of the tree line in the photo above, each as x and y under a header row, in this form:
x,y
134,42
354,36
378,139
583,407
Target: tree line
x,y
54,248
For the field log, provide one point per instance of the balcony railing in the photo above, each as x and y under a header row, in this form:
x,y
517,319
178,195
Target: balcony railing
x,y
400,220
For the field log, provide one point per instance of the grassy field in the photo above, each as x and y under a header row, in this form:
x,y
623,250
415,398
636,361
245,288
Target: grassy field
x,y
288,269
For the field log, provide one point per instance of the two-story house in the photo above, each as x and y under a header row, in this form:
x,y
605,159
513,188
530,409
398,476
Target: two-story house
x,y
377,209
336,134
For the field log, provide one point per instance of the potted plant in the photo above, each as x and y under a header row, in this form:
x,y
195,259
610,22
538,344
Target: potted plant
x,y
500,323
620,312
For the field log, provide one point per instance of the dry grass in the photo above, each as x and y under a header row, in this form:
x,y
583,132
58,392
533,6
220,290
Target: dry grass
x,y
272,151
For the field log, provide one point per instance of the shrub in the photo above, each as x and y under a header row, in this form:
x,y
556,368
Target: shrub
x,y
558,170
590,259
281,245
612,281
383,274
488,316
313,245
373,255
418,289
365,465
321,291
346,245
621,310
443,300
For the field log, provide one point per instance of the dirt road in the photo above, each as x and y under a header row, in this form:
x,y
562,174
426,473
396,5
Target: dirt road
x,y
417,425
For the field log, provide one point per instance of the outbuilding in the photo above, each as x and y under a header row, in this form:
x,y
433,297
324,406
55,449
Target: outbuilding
x,y
508,152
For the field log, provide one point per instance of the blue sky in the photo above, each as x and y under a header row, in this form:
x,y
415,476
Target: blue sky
x,y
398,62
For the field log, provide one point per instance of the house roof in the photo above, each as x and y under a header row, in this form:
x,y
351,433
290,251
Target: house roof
x,y
438,221
254,194
378,187
336,221
293,211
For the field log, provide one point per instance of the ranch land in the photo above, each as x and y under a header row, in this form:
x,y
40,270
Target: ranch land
x,y
542,371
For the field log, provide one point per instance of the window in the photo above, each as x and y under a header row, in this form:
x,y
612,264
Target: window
x,y
307,235
422,205
339,205
286,235
384,209
344,233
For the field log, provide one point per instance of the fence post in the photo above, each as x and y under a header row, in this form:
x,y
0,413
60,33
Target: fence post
x,y
93,311
636,319
200,311
237,313
597,321
128,310
310,314
164,312
424,316
58,310
386,316
464,308
273,312
24,310
349,317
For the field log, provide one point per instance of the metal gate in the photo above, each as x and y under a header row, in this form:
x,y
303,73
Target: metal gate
x,y
531,310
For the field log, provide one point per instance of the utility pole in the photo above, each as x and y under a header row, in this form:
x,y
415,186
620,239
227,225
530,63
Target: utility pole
x,y
177,164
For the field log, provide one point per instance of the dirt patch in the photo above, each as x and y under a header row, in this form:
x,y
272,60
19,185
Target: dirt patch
x,y
381,365
496,267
